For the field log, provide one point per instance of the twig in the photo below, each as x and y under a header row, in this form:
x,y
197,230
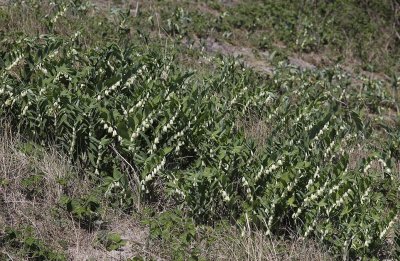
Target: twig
x,y
136,176
30,220
75,232
4,252
137,8
158,21
397,34
21,202
133,169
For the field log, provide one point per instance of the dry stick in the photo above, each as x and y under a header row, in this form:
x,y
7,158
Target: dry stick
x,y
30,220
4,252
136,176
397,34
158,21
76,233
21,202
137,8
133,169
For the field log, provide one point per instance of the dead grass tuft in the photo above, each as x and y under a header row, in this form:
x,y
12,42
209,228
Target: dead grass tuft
x,y
29,202
256,246
30,190
255,129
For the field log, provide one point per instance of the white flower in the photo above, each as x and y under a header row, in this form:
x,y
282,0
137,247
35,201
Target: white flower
x,y
382,162
225,196
134,135
298,212
316,174
270,221
138,105
148,178
25,110
310,182
384,231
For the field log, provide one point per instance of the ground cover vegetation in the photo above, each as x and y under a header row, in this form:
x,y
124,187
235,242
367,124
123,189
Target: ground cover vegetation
x,y
157,125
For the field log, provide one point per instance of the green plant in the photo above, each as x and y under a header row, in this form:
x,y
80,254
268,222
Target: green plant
x,y
28,245
177,232
85,210
134,118
111,241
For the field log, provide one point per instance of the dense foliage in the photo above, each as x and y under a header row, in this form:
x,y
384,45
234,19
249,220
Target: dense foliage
x,y
139,122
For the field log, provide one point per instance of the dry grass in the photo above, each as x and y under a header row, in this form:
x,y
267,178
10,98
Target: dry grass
x,y
256,246
40,209
22,19
23,207
255,129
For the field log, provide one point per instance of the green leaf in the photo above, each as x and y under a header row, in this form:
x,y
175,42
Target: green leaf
x,y
357,120
290,201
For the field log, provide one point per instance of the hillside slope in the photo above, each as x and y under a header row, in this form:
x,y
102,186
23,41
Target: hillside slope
x,y
180,130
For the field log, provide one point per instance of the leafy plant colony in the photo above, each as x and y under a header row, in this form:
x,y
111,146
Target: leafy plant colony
x,y
145,127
